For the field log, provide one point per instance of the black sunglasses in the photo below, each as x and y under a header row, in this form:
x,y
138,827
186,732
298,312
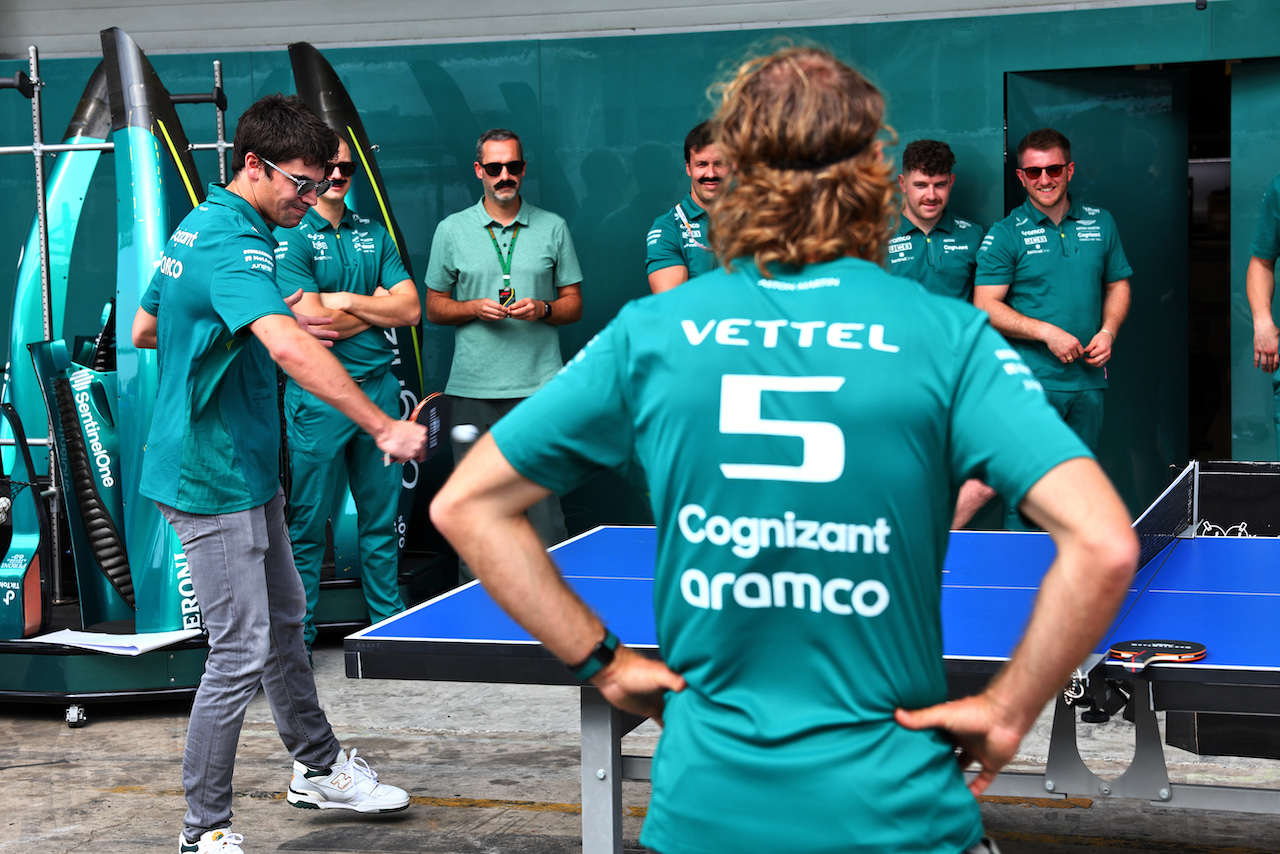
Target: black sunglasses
x,y
1033,172
515,168
303,186
345,167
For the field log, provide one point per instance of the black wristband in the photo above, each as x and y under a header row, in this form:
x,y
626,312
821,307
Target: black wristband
x,y
598,660
546,312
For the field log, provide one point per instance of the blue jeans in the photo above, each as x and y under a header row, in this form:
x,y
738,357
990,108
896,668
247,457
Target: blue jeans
x,y
253,603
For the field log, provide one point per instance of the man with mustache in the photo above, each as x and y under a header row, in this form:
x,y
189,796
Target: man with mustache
x,y
349,270
678,244
505,274
1054,279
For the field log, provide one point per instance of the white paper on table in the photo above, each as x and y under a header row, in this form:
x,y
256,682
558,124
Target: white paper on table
x,y
117,644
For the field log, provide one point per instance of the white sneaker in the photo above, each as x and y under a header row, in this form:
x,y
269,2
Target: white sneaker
x,y
220,841
349,784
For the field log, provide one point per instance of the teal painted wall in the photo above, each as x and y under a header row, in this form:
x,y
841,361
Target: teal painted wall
x,y
603,120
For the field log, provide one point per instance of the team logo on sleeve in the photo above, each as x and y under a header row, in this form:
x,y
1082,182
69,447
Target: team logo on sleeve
x,y
1015,367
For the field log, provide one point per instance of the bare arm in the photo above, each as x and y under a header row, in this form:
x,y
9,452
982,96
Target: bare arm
x,y
144,330
1260,285
668,278
481,510
1097,553
1115,308
444,310
1014,324
313,367
343,323
386,308
566,308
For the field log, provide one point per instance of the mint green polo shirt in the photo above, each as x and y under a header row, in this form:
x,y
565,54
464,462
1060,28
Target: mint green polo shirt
x,y
356,257
673,243
214,442
1055,273
942,260
803,438
506,358
1266,237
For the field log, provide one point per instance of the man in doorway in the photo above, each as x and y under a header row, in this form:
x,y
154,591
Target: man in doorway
x,y
1260,285
504,272
220,328
677,247
349,271
787,670
939,250
1054,279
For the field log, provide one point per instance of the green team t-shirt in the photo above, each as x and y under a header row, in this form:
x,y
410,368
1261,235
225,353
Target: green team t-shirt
x,y
214,443
942,260
1055,273
1266,238
803,438
356,257
679,238
506,358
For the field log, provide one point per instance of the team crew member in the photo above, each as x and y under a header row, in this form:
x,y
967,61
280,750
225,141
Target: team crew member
x,y
1260,285
1054,279
503,272
938,250
350,271
677,247
215,317
933,247
801,418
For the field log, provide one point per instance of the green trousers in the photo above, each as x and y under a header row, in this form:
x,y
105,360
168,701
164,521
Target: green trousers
x,y
323,445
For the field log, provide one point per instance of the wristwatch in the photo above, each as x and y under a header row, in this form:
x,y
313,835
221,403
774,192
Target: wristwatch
x,y
598,660
546,312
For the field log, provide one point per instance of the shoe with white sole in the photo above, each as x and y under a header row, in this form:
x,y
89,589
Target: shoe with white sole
x,y
349,784
220,841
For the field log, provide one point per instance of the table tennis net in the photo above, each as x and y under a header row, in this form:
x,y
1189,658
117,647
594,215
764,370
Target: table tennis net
x,y
1170,516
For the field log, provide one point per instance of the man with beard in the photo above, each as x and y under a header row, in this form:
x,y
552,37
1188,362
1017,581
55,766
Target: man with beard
x,y
349,270
678,244
504,272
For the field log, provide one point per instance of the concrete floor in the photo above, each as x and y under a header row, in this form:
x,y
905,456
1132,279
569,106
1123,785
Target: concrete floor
x,y
490,769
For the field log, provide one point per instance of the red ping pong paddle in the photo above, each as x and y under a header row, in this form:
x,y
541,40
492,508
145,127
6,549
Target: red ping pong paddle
x,y
431,412
1137,654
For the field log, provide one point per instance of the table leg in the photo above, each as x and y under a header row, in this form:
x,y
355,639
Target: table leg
x,y
602,731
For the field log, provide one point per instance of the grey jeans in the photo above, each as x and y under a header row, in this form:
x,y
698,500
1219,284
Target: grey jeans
x,y
253,603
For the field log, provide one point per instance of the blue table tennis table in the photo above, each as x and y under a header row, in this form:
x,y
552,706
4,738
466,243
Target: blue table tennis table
x,y
1223,592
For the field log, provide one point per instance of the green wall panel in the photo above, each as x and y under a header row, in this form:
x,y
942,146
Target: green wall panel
x,y
1255,159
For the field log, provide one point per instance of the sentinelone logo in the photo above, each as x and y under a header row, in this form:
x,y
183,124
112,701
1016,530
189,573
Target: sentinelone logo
x,y
748,535
80,383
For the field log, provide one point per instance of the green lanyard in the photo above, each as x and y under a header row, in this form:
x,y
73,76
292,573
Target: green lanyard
x,y
511,250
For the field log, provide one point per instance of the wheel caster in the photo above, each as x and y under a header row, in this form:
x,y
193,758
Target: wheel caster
x,y
76,716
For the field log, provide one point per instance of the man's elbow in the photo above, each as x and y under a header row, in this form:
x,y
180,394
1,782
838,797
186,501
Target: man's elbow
x,y
413,315
1112,555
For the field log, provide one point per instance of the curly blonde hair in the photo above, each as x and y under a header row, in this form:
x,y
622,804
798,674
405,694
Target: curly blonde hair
x,y
810,182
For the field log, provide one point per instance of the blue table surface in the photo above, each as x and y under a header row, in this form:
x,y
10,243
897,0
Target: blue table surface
x,y
1221,591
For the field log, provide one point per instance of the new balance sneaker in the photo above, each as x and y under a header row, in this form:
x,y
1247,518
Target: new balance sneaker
x,y
350,784
220,841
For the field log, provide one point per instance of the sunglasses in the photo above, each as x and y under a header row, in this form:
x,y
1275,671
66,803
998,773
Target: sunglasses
x,y
1033,172
515,168
345,167
303,186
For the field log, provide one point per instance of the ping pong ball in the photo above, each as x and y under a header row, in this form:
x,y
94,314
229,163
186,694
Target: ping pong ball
x,y
465,434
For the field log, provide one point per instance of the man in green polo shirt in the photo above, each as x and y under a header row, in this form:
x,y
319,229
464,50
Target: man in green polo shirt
x,y
677,249
802,423
211,463
1260,285
1054,279
504,273
349,270
939,250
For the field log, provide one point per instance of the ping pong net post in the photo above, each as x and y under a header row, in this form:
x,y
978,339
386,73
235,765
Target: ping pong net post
x,y
1171,516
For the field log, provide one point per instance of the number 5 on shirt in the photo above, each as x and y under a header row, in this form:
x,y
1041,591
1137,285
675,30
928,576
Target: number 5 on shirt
x,y
740,397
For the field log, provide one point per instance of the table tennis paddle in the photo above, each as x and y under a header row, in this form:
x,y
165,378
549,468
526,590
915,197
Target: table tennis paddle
x,y
431,412
1137,654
